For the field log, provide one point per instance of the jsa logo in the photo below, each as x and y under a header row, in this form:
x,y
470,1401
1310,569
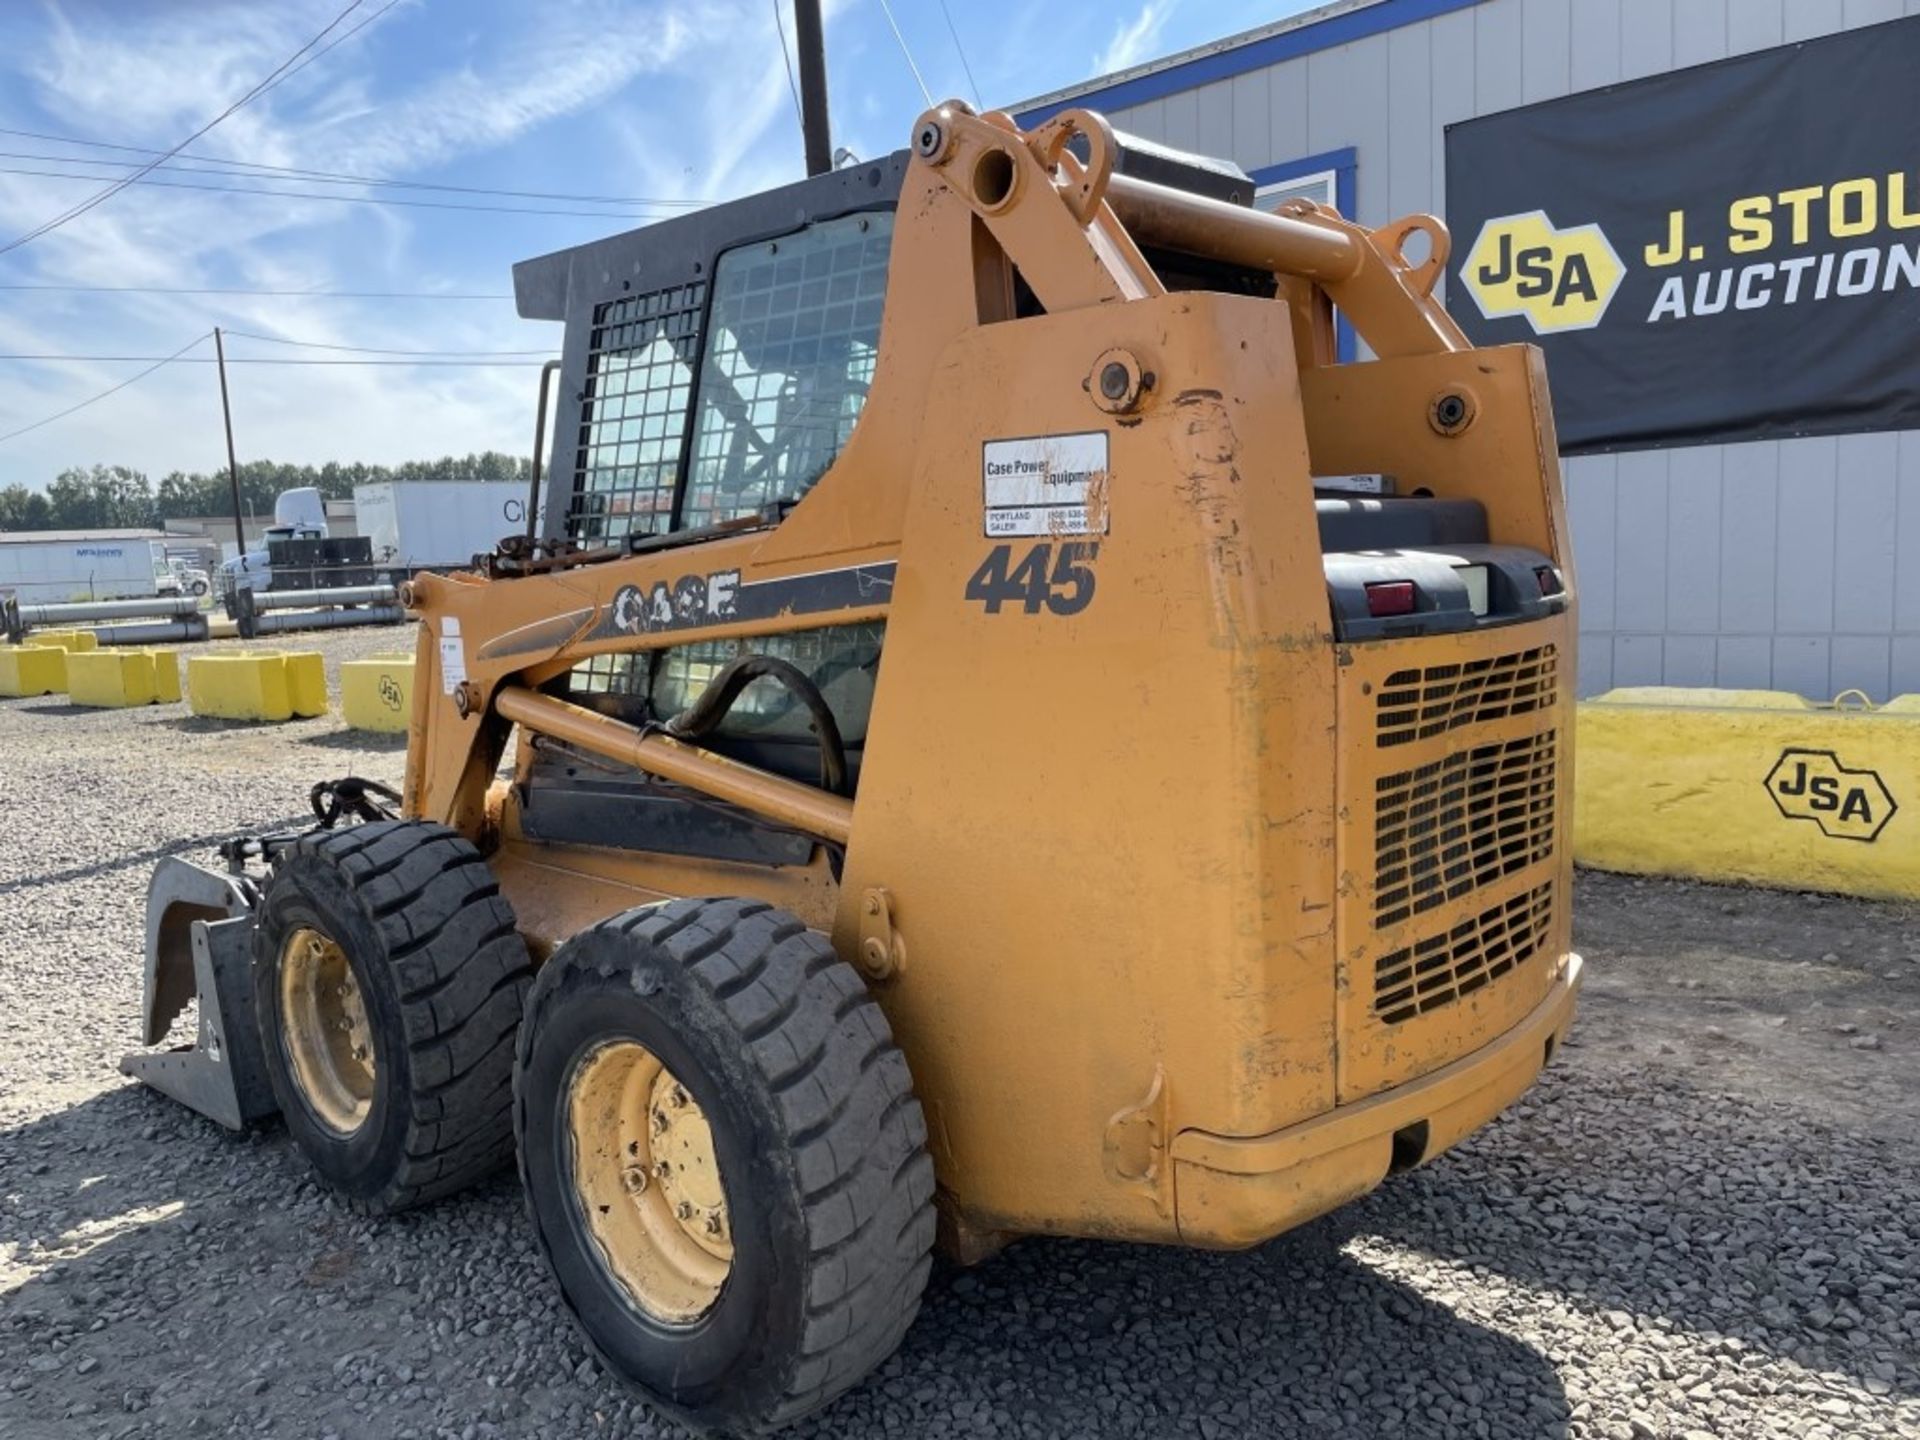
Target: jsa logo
x,y
1558,279
1814,785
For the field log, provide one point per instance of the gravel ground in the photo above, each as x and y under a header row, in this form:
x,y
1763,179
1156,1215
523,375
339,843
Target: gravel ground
x,y
1704,1222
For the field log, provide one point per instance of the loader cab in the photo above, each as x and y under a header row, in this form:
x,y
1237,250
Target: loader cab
x,y
713,367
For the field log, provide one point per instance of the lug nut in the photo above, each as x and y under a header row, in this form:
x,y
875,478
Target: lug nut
x,y
684,1210
636,1178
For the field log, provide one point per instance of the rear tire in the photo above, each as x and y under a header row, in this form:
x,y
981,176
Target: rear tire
x,y
401,923
820,1146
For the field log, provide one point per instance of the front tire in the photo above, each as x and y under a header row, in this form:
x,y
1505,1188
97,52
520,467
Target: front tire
x,y
804,1190
388,983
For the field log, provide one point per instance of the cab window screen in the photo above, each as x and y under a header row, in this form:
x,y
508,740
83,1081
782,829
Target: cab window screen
x,y
789,355
633,418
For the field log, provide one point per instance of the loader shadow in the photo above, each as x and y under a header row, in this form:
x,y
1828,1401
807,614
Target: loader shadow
x,y
380,742
1296,1338
205,844
1581,1193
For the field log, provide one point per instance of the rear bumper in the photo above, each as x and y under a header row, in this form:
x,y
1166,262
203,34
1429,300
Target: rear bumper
x,y
1231,1192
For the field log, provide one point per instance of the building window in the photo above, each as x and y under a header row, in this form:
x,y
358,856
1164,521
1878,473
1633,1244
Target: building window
x,y
1320,186
1325,179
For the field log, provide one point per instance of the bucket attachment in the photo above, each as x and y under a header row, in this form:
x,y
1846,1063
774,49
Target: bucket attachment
x,y
199,946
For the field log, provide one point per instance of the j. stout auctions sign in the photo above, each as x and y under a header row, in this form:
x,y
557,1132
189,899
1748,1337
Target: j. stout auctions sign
x,y
1730,252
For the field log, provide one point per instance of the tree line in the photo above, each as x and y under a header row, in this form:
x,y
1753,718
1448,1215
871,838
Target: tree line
x,y
120,497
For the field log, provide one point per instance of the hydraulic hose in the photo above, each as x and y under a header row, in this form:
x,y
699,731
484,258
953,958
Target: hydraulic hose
x,y
717,700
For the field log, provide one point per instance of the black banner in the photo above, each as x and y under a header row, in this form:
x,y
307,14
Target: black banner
x,y
1730,252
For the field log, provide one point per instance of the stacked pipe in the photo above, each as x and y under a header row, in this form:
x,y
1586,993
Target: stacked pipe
x,y
160,619
275,612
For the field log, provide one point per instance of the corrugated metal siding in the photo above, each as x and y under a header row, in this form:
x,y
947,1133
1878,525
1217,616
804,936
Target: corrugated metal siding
x,y
1792,564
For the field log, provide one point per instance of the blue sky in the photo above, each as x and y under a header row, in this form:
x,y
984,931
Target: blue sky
x,y
667,100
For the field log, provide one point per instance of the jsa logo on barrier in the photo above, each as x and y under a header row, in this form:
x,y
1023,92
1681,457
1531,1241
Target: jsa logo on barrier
x,y
1846,804
1558,279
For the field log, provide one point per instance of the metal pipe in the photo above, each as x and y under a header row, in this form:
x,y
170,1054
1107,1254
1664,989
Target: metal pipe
x,y
281,621
158,632
547,372
786,802
1196,225
809,40
109,609
311,599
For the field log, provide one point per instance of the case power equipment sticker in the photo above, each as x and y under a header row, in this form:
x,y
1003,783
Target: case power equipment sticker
x,y
1046,485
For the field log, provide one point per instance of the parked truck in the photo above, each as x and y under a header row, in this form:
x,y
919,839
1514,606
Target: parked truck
x,y
417,525
297,553
55,567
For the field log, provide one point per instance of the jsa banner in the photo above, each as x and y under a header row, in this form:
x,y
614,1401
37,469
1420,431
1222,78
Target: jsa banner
x,y
1730,252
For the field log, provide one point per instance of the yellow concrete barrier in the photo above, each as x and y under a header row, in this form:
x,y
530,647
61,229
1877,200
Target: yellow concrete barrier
x,y
377,693
117,679
64,639
32,670
1756,786
257,684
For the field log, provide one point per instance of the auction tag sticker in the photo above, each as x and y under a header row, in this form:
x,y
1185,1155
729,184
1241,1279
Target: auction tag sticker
x,y
453,656
1046,485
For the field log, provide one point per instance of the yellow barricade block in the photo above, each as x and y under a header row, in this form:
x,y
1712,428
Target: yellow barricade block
x,y
32,670
65,639
377,693
116,679
1755,786
257,684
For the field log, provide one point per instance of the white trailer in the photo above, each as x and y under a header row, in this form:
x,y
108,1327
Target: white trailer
x,y
57,567
437,524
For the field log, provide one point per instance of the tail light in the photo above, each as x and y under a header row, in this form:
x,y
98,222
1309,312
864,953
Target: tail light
x,y
1390,597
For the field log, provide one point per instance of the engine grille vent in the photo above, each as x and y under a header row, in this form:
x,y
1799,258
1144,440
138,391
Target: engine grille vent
x,y
1442,968
1419,704
1446,829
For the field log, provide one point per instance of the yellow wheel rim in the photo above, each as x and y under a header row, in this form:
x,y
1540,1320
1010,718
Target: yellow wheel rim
x,y
324,1020
648,1183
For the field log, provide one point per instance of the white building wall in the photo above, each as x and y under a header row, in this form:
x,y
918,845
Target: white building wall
x,y
1780,564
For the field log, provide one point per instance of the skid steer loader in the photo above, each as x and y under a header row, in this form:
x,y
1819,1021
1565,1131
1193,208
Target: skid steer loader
x,y
996,734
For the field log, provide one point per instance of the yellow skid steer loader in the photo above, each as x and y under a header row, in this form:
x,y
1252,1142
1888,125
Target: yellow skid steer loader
x,y
1003,735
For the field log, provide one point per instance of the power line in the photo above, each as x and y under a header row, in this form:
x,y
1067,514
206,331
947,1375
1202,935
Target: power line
x,y
145,178
113,390
336,41
374,350
972,84
235,290
239,169
267,360
793,88
74,212
886,10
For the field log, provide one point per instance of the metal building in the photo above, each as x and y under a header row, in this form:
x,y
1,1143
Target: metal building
x,y
1781,564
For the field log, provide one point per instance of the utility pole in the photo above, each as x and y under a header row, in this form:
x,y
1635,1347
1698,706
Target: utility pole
x,y
233,465
810,40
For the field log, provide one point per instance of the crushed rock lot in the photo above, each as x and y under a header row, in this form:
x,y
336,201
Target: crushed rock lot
x,y
1703,1222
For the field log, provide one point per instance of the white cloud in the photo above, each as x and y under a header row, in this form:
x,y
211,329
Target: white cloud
x,y
150,78
1134,40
